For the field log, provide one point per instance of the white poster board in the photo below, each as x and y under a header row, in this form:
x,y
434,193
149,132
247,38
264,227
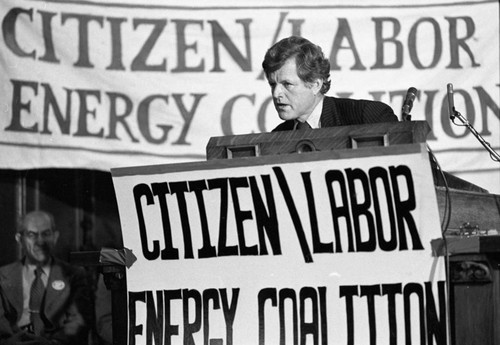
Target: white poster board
x,y
298,248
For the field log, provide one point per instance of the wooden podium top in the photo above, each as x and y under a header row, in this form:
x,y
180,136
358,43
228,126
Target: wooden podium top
x,y
321,139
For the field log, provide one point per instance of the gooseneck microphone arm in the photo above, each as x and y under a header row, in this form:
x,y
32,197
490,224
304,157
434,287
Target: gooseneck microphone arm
x,y
454,114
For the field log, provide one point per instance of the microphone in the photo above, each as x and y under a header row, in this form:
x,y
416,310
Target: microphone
x,y
451,105
408,104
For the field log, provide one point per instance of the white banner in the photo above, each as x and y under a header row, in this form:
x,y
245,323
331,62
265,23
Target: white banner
x,y
279,250
104,84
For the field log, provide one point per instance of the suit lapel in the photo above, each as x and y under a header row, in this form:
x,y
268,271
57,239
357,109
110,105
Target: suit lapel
x,y
11,281
285,126
57,290
329,113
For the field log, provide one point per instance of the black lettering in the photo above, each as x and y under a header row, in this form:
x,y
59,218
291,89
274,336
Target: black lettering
x,y
391,290
266,219
404,207
179,189
154,317
456,42
296,26
438,44
294,214
313,327
17,106
380,42
289,294
370,291
436,325
187,115
208,250
50,54
401,93
84,111
83,35
116,45
229,312
160,190
223,248
227,110
276,35
50,101
417,290
344,32
486,101
143,120
348,291
261,116
361,208
139,63
264,295
209,294
142,190
191,327
182,46
323,315
133,328
429,112
220,37
170,329
380,174
115,118
241,215
318,246
342,211
9,31
376,95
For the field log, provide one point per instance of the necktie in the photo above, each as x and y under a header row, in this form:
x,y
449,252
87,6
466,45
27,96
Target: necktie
x,y
36,297
301,125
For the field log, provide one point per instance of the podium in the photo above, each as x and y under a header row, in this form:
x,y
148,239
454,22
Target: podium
x,y
475,252
322,139
336,141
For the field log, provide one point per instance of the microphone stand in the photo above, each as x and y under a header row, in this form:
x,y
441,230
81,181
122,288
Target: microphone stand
x,y
494,155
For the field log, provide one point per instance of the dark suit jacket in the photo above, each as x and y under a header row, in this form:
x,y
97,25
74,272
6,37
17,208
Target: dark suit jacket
x,y
347,111
67,292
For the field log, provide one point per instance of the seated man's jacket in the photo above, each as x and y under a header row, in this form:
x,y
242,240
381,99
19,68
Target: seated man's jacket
x,y
67,306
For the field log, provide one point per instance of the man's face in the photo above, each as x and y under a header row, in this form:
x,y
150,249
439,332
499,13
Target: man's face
x,y
292,97
37,239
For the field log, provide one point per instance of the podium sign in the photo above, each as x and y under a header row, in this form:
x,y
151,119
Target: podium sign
x,y
318,248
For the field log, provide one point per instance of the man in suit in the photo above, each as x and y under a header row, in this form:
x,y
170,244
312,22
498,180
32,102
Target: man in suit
x,y
43,300
299,76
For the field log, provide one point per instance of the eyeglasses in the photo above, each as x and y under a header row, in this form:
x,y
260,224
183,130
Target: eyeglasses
x,y
32,235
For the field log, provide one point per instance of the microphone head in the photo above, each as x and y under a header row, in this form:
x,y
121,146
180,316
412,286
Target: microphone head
x,y
408,103
411,93
451,104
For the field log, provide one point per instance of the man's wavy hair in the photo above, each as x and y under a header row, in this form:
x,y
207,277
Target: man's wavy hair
x,y
309,58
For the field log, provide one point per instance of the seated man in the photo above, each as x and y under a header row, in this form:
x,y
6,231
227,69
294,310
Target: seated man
x,y
43,300
298,74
